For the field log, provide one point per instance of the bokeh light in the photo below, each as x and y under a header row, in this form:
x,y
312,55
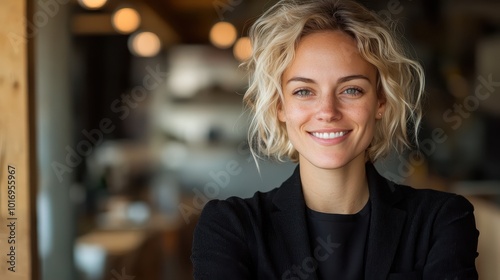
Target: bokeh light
x,y
145,44
92,4
242,50
223,34
126,20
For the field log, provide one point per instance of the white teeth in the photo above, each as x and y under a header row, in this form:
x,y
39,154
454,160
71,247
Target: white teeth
x,y
331,135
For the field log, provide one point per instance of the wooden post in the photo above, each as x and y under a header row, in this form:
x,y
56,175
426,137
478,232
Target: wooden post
x,y
17,157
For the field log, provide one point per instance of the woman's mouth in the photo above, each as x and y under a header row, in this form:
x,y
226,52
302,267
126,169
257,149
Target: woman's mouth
x,y
329,135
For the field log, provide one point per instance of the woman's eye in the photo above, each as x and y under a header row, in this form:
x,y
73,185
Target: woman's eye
x,y
302,92
353,91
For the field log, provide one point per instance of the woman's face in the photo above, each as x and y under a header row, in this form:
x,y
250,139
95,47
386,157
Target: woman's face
x,y
330,103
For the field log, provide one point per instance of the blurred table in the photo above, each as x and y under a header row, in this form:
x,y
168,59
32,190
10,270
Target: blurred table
x,y
150,252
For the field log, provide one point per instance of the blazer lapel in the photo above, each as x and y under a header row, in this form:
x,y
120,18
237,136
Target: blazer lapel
x,y
386,225
289,220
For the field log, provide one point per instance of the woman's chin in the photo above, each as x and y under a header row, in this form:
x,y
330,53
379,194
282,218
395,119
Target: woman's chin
x,y
330,161
326,163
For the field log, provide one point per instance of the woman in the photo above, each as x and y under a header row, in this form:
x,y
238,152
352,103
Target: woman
x,y
332,89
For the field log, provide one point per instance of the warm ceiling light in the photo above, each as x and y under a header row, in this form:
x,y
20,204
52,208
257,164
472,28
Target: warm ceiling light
x,y
92,4
126,20
223,34
242,49
145,44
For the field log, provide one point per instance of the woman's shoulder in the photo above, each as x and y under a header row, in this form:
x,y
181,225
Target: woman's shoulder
x,y
241,208
431,200
225,236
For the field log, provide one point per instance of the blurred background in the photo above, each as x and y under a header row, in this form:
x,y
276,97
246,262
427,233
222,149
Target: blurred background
x,y
140,122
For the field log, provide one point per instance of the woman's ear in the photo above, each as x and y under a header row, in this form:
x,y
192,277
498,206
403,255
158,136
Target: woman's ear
x,y
381,104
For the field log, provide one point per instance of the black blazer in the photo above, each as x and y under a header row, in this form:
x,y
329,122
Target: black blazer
x,y
413,234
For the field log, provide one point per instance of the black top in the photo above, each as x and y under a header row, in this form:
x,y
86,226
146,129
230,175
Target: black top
x,y
413,234
344,258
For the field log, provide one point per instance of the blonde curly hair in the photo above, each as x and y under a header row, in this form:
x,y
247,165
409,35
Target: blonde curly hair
x,y
274,38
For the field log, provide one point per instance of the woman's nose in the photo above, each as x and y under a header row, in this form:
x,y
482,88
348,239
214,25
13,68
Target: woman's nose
x,y
328,109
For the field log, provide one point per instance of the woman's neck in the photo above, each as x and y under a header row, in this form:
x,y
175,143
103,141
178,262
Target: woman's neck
x,y
339,191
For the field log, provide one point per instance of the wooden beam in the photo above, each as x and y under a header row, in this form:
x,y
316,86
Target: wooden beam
x,y
17,174
92,24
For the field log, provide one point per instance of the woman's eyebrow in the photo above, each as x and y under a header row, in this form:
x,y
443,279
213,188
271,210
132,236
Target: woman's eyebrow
x,y
352,77
301,79
339,80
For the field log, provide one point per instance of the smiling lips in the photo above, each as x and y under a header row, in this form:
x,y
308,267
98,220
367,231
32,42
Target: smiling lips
x,y
329,135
